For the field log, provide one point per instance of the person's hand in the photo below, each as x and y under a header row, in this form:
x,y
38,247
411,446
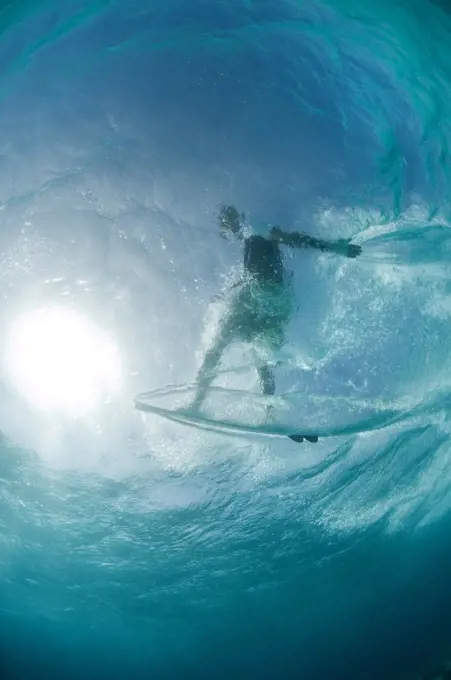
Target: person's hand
x,y
353,250
343,247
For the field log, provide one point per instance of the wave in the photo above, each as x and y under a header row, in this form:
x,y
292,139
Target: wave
x,y
122,130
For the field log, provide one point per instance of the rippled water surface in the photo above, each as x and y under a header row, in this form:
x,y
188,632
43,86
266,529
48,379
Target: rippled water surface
x,y
132,546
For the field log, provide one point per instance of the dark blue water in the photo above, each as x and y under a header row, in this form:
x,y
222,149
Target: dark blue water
x,y
131,546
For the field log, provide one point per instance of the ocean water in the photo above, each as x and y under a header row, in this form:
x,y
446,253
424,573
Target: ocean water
x,y
131,546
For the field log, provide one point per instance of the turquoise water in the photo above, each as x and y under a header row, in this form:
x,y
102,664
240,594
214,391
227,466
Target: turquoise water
x,y
133,546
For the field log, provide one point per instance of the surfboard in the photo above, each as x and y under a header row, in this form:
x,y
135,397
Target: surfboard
x,y
298,416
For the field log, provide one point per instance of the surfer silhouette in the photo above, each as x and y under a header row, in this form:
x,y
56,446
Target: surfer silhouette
x,y
262,300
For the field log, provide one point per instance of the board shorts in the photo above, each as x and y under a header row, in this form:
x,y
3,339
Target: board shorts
x,y
259,314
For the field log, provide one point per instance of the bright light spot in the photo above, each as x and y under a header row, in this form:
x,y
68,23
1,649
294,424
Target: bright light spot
x,y
58,360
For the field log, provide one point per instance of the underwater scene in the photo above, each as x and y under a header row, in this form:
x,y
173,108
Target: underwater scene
x,y
225,339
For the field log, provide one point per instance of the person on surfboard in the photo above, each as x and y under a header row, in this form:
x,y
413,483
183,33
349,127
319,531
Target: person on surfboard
x,y
262,303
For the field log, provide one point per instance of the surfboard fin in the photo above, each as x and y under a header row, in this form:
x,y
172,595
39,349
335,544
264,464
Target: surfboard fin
x,y
299,438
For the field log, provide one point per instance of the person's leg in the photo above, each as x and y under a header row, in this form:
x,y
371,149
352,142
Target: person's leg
x,y
236,324
268,344
266,378
208,370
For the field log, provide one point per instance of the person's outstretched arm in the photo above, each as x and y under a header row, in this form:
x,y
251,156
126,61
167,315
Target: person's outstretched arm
x,y
298,240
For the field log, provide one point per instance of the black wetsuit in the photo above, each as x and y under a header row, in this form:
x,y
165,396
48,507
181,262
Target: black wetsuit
x,y
263,260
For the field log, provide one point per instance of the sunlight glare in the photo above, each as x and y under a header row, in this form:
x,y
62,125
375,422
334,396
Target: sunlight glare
x,y
58,360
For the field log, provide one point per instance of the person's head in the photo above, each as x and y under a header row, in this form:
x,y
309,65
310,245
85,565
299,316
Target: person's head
x,y
231,221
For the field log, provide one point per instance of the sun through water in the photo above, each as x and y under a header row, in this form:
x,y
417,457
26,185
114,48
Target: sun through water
x,y
59,360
